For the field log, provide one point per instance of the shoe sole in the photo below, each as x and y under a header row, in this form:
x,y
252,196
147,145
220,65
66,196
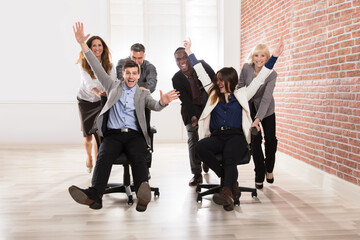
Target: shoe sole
x,y
79,196
270,180
143,196
195,183
229,207
218,199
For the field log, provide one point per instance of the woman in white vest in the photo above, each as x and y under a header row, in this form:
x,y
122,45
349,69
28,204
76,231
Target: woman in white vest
x,y
224,125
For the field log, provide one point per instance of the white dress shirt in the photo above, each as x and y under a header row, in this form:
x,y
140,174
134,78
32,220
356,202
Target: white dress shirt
x,y
87,84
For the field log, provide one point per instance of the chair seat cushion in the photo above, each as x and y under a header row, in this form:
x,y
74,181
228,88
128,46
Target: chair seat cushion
x,y
122,159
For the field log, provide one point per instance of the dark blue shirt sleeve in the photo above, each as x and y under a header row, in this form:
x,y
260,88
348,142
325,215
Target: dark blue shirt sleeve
x,y
193,59
271,62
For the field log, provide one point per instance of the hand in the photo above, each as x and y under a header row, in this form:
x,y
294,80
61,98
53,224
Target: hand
x,y
102,93
280,48
168,97
187,45
256,124
194,121
80,36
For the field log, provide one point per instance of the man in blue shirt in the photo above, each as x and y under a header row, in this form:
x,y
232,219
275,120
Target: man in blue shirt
x,y
122,124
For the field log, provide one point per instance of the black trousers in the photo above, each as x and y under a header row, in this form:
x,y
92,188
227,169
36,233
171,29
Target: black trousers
x,y
265,164
114,143
193,138
232,145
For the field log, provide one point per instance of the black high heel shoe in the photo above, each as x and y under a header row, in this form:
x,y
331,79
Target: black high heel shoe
x,y
270,180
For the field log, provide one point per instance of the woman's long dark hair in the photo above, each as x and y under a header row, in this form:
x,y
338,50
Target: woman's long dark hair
x,y
230,78
105,57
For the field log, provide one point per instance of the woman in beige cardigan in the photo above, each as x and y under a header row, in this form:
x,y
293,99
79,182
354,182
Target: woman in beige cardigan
x,y
224,125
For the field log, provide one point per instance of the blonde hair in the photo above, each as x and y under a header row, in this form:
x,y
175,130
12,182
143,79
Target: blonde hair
x,y
259,48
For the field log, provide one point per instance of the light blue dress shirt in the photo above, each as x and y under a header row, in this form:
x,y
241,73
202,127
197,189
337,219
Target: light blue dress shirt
x,y
122,113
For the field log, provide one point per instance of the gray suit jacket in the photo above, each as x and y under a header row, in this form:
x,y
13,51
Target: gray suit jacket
x,y
263,98
114,89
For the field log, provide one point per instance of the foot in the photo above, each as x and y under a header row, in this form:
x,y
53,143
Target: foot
x,y
196,180
89,165
259,185
205,168
224,197
270,177
143,196
87,197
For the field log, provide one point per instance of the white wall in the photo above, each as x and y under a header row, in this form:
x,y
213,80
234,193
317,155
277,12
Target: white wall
x,y
39,78
230,33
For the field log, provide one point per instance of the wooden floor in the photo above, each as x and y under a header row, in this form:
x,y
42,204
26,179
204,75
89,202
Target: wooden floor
x,y
303,203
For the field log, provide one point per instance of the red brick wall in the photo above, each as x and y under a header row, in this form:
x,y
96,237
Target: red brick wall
x,y
317,94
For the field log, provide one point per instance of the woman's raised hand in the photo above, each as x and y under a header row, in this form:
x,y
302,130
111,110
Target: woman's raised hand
x,y
80,36
187,45
280,48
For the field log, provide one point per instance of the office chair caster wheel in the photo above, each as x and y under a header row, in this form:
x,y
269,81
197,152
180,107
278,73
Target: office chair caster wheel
x,y
198,188
237,202
156,193
254,194
199,199
130,200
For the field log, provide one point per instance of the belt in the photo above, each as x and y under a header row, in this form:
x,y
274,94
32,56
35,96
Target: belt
x,y
125,129
226,128
223,128
120,130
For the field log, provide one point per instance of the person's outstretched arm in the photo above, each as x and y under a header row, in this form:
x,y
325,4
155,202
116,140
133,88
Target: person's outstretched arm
x,y
199,68
80,36
265,71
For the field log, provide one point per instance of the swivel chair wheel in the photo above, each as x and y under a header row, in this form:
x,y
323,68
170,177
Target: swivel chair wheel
x,y
254,194
198,188
237,202
130,200
156,193
199,199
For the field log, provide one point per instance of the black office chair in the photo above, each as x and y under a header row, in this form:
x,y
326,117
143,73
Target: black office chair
x,y
128,187
215,188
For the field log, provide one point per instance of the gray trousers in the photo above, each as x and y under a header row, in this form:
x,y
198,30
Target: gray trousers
x,y
193,138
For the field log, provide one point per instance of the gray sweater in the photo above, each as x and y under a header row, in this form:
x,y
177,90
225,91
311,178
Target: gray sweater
x,y
263,98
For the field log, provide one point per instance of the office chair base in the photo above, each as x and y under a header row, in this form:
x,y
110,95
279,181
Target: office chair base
x,y
215,188
121,188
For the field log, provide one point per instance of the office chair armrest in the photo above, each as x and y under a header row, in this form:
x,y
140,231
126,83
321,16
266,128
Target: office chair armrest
x,y
96,136
153,129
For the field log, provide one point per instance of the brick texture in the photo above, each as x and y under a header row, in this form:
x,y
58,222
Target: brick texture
x,y
317,93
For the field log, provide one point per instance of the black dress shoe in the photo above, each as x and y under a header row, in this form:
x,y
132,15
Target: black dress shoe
x,y
143,196
205,168
196,180
259,186
86,196
225,198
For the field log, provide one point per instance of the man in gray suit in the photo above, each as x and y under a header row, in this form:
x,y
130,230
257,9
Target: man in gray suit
x,y
148,75
122,124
